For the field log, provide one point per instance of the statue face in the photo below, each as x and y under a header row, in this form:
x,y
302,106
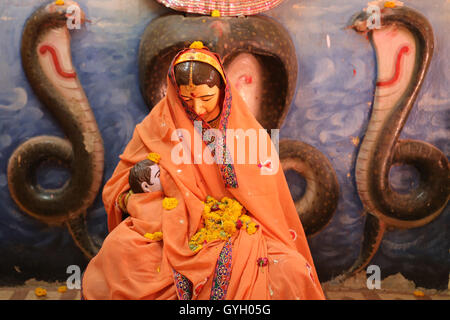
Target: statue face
x,y
203,99
154,184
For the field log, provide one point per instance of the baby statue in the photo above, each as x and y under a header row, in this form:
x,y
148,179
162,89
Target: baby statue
x,y
144,177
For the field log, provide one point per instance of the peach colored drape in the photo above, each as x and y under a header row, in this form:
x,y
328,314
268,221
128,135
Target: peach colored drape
x,y
130,266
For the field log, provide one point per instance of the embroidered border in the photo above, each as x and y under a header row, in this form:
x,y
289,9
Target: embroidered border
x,y
183,286
222,273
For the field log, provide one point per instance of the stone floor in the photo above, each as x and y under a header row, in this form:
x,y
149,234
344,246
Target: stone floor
x,y
392,288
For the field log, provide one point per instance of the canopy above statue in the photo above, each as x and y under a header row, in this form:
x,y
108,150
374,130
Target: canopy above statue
x,y
224,7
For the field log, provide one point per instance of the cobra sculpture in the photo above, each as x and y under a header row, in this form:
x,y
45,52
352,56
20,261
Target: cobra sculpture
x,y
260,60
404,47
46,59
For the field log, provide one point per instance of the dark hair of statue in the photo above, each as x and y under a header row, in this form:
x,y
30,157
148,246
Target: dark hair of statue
x,y
202,73
141,172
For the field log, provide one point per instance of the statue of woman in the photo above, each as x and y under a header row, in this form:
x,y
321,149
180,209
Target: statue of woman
x,y
216,230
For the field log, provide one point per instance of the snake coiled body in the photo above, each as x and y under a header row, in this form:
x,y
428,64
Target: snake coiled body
x,y
404,48
45,53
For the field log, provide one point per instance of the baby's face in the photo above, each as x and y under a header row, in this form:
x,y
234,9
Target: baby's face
x,y
154,184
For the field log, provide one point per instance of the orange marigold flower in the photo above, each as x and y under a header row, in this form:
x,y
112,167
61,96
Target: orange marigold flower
x,y
40,292
62,289
229,227
419,293
389,4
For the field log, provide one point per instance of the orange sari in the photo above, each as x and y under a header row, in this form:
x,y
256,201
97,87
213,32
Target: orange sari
x,y
131,266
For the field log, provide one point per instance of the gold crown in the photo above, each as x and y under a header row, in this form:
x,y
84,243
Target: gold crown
x,y
201,57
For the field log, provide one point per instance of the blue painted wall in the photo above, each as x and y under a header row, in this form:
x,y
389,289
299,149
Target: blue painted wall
x,y
331,106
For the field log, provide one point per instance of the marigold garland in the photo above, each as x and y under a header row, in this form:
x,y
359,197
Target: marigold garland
x,y
221,219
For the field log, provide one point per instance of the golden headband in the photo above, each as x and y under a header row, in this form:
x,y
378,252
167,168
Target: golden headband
x,y
200,57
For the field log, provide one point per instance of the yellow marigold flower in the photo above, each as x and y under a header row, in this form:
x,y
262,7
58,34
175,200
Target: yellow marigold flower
x,y
40,292
226,200
389,4
196,45
238,208
215,13
223,235
209,224
245,218
62,289
229,227
59,2
214,216
196,236
148,236
206,209
212,236
202,237
199,237
197,247
157,236
169,203
227,217
251,229
235,214
153,156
